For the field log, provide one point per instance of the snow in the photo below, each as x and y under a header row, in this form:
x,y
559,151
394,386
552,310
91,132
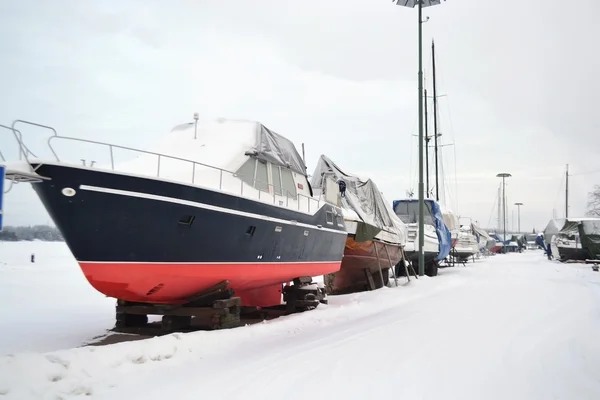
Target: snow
x,y
50,296
513,326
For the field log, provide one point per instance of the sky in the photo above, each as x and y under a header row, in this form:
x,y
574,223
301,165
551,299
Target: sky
x,y
515,87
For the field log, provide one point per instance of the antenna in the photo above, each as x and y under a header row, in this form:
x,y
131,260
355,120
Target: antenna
x,y
196,117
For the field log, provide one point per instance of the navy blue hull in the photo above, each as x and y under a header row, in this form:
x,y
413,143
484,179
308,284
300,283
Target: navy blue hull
x,y
103,226
570,253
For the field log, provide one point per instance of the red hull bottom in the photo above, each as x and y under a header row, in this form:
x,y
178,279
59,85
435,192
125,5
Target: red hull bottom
x,y
496,249
256,284
359,256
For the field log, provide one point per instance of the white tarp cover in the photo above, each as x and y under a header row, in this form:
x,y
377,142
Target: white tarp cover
x,y
450,219
363,197
481,232
554,226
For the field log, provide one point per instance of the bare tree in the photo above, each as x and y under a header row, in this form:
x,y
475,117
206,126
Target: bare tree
x,y
594,202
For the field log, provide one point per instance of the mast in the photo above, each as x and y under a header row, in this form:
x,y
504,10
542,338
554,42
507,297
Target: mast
x,y
499,207
435,130
567,192
427,138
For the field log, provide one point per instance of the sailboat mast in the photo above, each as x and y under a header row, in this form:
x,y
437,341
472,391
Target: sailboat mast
x,y
567,192
427,138
435,130
499,207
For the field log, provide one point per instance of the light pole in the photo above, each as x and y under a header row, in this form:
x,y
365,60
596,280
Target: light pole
x,y
420,4
519,215
504,175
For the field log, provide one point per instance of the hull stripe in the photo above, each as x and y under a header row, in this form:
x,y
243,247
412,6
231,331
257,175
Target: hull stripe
x,y
209,263
189,203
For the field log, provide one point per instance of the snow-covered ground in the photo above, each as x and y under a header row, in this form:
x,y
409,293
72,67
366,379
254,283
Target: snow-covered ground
x,y
47,305
513,326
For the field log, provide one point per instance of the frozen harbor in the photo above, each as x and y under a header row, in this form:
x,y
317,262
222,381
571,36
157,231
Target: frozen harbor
x,y
512,326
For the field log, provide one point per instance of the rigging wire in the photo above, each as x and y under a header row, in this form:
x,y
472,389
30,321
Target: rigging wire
x,y
560,187
586,173
453,193
492,212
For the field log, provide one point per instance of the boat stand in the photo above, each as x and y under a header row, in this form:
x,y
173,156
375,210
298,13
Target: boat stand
x,y
213,308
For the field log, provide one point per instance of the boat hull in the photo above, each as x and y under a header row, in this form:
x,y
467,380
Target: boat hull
x,y
358,256
154,241
572,253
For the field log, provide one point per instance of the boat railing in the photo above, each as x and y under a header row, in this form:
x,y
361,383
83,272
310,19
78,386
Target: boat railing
x,y
287,199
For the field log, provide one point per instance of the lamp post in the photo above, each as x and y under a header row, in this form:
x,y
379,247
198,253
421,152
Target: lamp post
x,y
420,4
519,215
504,175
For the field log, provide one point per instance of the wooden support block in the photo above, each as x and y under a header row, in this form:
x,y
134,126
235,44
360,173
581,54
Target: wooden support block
x,y
226,303
302,280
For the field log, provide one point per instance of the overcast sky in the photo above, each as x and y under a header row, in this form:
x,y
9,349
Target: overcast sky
x,y
338,75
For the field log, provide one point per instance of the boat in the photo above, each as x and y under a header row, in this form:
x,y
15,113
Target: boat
x,y
499,243
464,242
437,239
530,240
485,242
376,236
467,245
579,239
217,201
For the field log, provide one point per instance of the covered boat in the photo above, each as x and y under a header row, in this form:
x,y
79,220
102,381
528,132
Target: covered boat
x,y
231,206
485,241
376,236
437,243
579,239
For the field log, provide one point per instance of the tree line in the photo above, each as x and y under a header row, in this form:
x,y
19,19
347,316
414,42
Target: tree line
x,y
594,202
46,233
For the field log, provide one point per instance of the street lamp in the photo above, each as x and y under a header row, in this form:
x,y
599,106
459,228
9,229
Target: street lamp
x,y
420,4
519,215
504,175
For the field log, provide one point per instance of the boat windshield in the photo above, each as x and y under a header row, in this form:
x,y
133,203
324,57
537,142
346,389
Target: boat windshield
x,y
408,212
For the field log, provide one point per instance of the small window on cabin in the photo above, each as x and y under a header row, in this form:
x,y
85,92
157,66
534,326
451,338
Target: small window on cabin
x,y
287,183
262,179
329,217
246,171
276,178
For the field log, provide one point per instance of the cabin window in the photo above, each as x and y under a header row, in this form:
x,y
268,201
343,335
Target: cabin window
x,y
246,171
276,173
329,217
287,183
408,212
262,178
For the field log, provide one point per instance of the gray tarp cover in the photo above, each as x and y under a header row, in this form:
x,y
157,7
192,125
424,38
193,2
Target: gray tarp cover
x,y
271,146
553,227
589,232
363,197
570,228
